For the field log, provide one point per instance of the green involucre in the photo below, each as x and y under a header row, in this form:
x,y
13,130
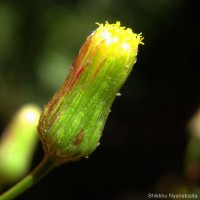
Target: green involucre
x,y
72,122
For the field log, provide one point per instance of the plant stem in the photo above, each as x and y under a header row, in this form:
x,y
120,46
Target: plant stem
x,y
39,172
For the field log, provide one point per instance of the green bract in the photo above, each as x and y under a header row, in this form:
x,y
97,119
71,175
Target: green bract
x,y
72,122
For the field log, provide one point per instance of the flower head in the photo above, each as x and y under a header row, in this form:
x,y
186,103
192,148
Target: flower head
x,y
72,122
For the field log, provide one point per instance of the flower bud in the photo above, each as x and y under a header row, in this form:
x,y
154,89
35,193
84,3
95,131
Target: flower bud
x,y
72,122
18,143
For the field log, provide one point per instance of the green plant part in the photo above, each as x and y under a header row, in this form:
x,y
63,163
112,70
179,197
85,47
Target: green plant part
x,y
18,144
72,122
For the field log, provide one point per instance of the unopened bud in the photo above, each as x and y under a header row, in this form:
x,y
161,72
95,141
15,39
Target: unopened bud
x,y
18,143
72,122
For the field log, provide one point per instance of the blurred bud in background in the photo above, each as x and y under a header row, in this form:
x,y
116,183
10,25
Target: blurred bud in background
x,y
18,143
192,159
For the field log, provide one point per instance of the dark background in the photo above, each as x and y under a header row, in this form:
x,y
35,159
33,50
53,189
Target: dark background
x,y
145,137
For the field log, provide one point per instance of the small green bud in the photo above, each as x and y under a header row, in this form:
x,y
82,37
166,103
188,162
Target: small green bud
x,y
192,154
71,124
18,144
